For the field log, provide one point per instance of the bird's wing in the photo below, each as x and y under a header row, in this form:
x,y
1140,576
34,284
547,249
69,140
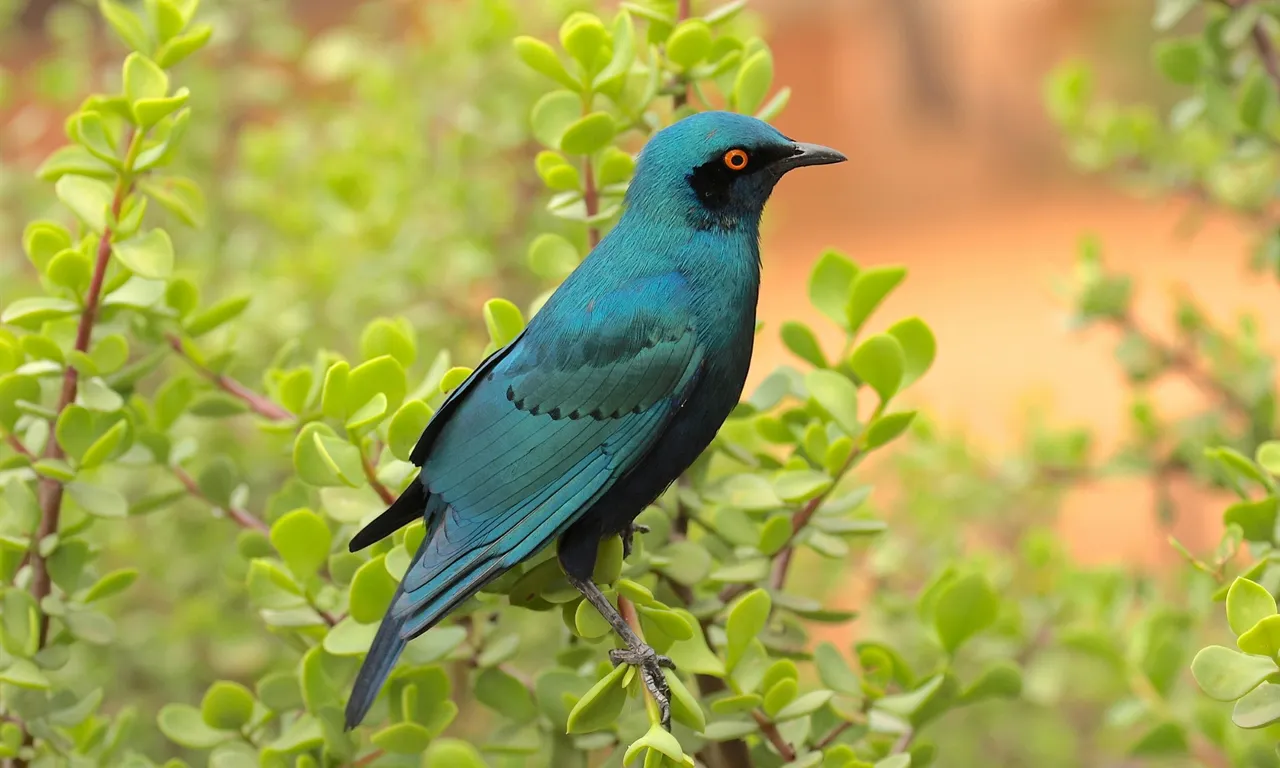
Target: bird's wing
x,y
545,431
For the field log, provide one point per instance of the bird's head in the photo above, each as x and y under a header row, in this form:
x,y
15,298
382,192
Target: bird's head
x,y
717,169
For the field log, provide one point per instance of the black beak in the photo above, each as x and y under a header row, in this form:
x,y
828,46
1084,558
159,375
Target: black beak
x,y
811,154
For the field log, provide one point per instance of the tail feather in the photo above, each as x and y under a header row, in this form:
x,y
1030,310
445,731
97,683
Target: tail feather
x,y
404,510
383,654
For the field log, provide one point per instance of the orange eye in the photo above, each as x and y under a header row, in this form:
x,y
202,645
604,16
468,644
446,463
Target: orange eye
x,y
735,159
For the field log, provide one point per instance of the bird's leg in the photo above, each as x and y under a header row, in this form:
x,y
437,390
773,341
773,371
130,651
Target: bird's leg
x,y
637,653
628,534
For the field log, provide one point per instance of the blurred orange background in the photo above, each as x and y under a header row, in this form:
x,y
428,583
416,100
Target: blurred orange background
x,y
957,173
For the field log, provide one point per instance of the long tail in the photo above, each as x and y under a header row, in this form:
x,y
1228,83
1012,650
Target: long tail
x,y
383,654
387,645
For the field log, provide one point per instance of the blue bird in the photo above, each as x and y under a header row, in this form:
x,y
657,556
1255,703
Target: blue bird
x,y
612,391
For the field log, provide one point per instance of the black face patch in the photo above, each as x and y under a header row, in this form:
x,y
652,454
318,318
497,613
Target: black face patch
x,y
713,181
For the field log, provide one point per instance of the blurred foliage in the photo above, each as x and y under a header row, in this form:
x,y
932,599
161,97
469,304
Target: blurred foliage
x,y
245,296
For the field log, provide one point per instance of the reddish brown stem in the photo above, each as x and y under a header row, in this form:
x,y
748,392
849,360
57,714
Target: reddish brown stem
x,y
241,517
49,489
371,473
590,198
17,445
770,731
368,759
260,405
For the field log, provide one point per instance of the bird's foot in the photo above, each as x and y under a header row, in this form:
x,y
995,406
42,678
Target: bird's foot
x,y
650,665
628,534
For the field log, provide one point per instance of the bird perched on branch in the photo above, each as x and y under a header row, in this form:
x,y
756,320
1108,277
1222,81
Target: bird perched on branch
x,y
612,391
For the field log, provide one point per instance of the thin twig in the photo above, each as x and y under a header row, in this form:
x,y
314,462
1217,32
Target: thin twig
x,y
771,732
591,199
369,758
371,473
260,405
17,445
1182,362
241,517
833,734
782,561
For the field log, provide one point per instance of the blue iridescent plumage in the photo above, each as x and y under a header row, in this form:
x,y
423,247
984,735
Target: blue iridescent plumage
x,y
613,389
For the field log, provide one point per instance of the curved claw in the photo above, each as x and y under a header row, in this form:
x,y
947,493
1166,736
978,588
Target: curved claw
x,y
628,534
650,665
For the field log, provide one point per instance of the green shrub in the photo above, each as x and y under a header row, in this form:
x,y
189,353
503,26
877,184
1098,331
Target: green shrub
x,y
246,302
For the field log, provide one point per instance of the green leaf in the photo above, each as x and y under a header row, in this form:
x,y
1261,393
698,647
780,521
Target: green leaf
x,y
1263,638
149,112
227,706
588,135
1256,518
184,725
1000,680
542,58
799,485
1247,604
552,256
406,427
1169,12
504,321
371,591
582,34
180,196
964,608
369,414
689,43
383,375
1180,60
303,541
404,738
73,159
779,695
148,255
143,79
1165,739
502,693
33,312
553,114
834,671
805,705
657,739
775,534
685,708
453,379
870,288
99,500
89,199
1226,675
919,347
1255,96
837,396
1258,708
112,584
89,129
279,691
879,362
600,706
126,24
215,316
1268,456
752,83
181,46
16,388
105,446
453,753
887,428
747,617
624,51
385,336
800,339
